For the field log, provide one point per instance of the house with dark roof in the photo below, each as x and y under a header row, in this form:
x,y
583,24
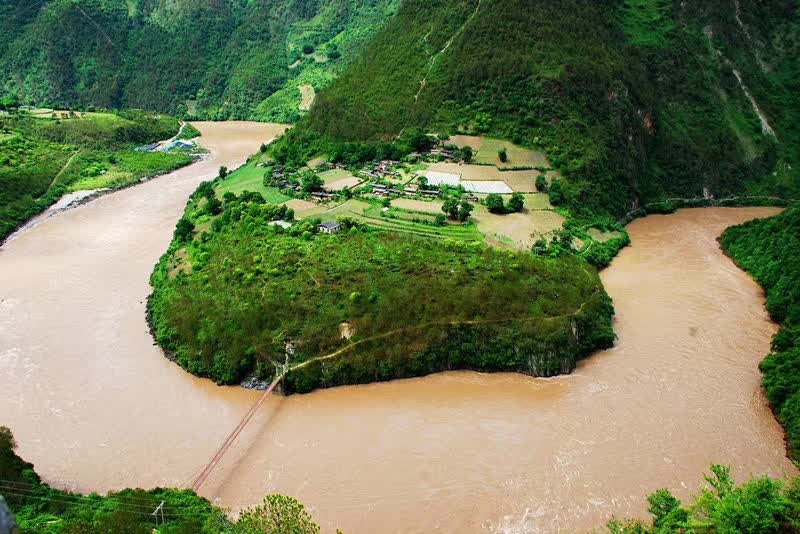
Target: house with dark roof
x,y
330,227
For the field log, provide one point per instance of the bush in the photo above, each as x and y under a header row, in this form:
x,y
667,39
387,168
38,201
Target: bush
x,y
494,203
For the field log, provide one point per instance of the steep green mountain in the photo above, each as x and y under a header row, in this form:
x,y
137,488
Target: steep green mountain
x,y
633,101
209,58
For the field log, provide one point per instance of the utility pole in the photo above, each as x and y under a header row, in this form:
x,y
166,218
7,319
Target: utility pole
x,y
159,510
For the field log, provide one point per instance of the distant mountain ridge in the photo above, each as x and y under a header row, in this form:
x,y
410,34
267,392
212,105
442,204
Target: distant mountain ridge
x,y
633,101
217,58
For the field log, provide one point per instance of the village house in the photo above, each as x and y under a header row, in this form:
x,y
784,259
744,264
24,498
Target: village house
x,y
431,192
330,227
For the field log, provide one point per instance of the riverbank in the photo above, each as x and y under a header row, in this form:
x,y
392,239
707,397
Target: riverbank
x,y
769,249
498,451
43,159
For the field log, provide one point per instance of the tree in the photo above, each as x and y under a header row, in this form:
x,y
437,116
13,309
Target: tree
x,y
541,183
213,205
494,203
7,441
308,48
466,154
556,193
464,210
8,102
387,202
184,230
276,515
450,207
223,172
503,155
665,508
311,182
517,202
439,220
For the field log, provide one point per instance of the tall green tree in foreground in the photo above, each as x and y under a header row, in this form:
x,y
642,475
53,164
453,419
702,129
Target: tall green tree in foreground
x,y
760,506
276,515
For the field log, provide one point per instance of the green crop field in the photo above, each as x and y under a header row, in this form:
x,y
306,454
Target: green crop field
x,y
249,177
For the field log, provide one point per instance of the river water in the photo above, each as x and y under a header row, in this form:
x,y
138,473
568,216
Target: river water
x,y
96,406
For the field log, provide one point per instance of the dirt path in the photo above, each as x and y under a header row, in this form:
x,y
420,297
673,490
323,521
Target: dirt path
x,y
391,333
449,42
59,173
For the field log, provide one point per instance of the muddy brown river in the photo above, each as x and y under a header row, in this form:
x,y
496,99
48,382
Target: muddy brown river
x,y
96,406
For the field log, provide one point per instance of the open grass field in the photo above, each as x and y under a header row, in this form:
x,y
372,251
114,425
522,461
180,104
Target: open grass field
x,y
399,221
602,237
300,206
519,230
249,177
334,175
344,183
413,204
487,150
316,162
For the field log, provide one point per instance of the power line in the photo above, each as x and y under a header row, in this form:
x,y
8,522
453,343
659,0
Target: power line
x,y
99,28
97,501
18,13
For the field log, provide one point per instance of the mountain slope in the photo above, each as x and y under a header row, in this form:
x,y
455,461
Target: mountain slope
x,y
632,101
218,58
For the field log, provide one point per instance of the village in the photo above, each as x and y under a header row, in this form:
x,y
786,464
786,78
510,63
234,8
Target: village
x,y
464,188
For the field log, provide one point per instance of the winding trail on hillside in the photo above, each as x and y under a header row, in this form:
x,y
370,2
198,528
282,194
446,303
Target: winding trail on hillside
x,y
432,60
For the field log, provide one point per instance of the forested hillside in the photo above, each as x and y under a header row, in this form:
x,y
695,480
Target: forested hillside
x,y
46,155
213,59
632,101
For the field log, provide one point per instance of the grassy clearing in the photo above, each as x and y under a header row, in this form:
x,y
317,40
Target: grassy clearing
x,y
249,177
95,172
519,230
413,204
306,97
334,175
601,236
486,152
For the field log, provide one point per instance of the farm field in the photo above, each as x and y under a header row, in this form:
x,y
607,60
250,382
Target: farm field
x,y
487,150
249,177
523,181
519,230
344,183
334,175
413,204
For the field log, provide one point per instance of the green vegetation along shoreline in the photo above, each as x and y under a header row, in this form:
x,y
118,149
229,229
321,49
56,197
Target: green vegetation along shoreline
x,y
769,249
245,288
759,506
42,509
44,156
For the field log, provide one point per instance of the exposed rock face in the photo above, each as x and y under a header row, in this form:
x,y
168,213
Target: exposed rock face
x,y
7,523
